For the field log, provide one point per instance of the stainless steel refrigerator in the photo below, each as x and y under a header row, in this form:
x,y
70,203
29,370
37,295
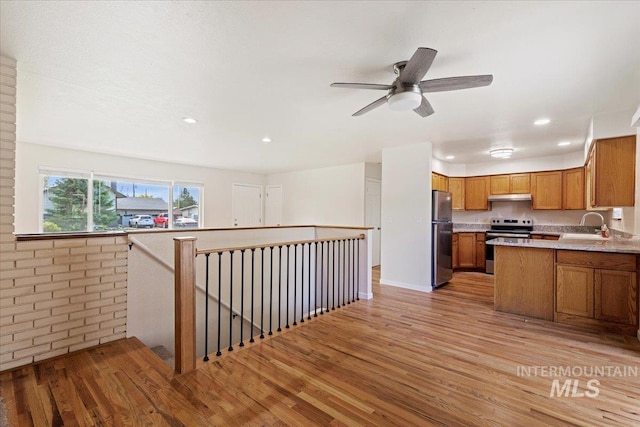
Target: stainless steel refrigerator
x,y
442,238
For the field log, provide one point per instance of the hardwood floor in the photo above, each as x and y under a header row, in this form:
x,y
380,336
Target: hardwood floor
x,y
404,358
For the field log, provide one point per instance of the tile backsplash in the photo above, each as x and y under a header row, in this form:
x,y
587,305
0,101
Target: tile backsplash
x,y
523,210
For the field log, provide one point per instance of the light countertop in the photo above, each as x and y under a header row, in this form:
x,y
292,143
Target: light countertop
x,y
611,244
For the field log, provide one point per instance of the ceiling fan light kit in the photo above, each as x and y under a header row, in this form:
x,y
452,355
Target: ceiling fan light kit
x,y
404,101
406,91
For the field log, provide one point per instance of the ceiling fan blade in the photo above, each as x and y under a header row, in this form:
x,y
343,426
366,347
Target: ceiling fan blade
x,y
374,104
455,83
362,86
418,65
424,109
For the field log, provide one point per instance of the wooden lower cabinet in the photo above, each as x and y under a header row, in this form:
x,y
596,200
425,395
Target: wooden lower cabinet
x,y
616,296
466,250
574,290
480,251
597,289
454,254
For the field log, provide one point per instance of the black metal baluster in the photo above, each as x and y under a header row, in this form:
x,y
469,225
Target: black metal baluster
x,y
295,280
242,298
353,270
270,290
321,276
344,272
262,293
230,300
358,275
253,252
333,282
315,294
206,309
279,287
219,353
339,271
348,243
287,325
302,285
309,287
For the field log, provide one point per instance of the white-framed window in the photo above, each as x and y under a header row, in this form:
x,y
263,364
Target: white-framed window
x,y
115,202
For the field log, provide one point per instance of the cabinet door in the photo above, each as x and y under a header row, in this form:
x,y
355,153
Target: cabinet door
x,y
616,296
456,187
476,192
480,251
574,290
520,183
467,250
499,184
454,251
573,187
434,181
546,190
613,178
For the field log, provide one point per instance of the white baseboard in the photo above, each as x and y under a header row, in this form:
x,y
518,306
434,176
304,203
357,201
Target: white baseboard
x,y
365,295
411,286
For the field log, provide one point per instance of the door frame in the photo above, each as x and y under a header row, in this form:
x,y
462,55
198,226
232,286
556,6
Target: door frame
x,y
378,181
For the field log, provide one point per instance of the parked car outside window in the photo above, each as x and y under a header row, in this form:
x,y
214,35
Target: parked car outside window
x,y
185,222
141,221
162,220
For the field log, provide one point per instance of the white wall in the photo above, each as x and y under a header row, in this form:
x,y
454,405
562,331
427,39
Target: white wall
x,y
30,157
330,196
567,161
406,217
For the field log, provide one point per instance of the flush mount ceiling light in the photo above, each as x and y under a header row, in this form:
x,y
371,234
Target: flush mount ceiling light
x,y
404,101
564,143
266,140
501,153
189,120
450,157
542,122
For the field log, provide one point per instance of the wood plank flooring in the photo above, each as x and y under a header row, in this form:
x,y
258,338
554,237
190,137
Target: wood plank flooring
x,y
404,358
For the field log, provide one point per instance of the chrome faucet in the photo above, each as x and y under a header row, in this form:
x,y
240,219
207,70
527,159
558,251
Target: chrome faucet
x,y
592,213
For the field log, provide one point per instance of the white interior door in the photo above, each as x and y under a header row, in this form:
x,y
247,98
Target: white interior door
x,y
247,205
373,190
273,205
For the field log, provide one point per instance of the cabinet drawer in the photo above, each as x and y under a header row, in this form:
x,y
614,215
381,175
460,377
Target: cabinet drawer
x,y
597,259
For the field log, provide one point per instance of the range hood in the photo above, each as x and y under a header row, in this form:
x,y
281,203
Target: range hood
x,y
510,198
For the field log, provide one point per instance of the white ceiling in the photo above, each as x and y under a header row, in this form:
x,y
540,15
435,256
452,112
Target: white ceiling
x,y
118,77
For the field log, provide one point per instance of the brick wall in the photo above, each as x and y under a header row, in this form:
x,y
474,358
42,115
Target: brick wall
x,y
56,295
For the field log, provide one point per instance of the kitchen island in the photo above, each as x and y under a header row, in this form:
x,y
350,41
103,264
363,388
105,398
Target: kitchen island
x,y
583,280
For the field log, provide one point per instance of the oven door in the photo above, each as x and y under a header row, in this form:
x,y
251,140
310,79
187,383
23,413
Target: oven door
x,y
489,257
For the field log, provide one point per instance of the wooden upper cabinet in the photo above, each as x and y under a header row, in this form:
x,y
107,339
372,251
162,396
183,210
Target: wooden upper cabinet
x,y
546,190
476,192
573,188
456,187
518,183
499,184
612,172
439,182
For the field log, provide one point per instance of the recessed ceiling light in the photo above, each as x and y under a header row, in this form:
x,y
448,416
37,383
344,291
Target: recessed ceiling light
x,y
450,157
563,143
501,153
541,122
266,140
189,120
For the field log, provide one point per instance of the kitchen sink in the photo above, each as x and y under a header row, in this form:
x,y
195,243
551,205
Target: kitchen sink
x,y
582,236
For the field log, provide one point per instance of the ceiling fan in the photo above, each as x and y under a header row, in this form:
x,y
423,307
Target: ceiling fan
x,y
406,91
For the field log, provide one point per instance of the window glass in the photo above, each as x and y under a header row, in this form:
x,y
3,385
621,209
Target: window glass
x,y
186,206
65,204
135,204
